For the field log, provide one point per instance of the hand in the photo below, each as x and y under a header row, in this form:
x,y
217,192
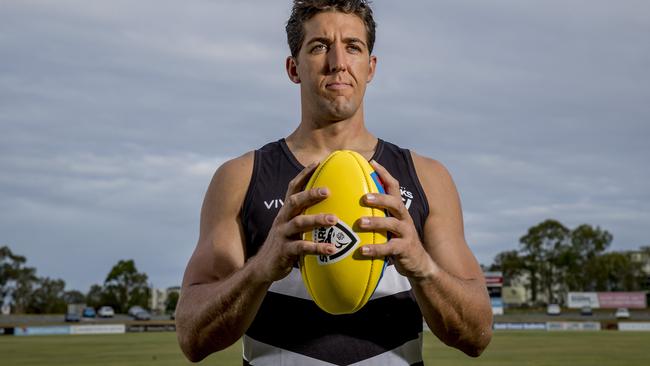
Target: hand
x,y
283,245
405,248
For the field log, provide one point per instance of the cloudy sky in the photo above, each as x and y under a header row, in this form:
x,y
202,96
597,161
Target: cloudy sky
x,y
115,114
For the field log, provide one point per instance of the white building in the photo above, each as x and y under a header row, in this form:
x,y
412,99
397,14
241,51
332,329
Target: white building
x,y
159,297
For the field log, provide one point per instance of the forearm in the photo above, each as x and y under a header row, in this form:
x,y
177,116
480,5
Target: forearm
x,y
458,311
212,316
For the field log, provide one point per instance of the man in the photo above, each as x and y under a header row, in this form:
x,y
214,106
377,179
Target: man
x,y
242,279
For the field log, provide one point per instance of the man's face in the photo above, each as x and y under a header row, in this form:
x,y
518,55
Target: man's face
x,y
333,66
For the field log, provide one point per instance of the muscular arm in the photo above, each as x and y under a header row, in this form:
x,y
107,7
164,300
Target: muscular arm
x,y
221,291
220,294
452,294
445,277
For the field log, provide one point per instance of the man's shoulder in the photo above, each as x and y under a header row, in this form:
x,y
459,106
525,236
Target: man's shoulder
x,y
230,181
424,165
435,179
236,168
428,165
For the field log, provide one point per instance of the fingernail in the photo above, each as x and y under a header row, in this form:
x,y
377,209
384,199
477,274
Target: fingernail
x,y
370,197
331,219
365,221
323,191
365,250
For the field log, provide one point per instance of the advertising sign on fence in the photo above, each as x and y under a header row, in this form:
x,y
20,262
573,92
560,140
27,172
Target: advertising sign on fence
x,y
98,329
520,326
576,300
51,330
634,326
612,300
573,325
607,300
494,283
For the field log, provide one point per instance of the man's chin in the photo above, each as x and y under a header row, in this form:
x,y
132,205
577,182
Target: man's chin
x,y
339,111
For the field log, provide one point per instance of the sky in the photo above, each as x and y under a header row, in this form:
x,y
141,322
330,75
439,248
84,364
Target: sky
x,y
115,114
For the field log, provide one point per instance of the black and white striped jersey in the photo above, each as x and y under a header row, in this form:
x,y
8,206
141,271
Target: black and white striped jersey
x,y
289,329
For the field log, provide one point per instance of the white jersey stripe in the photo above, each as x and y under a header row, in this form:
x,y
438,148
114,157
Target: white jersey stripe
x,y
261,354
258,353
391,283
291,285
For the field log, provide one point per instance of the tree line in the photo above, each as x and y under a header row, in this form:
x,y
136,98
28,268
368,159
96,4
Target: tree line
x,y
554,260
25,292
551,258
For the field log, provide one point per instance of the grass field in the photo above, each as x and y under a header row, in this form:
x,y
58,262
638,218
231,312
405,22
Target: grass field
x,y
507,348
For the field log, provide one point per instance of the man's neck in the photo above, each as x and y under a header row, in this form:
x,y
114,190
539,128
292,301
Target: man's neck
x,y
315,140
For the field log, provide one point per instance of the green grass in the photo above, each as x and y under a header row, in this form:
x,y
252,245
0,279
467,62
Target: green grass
x,y
507,348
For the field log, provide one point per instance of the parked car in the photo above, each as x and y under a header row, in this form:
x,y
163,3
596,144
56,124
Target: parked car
x,y
88,312
106,312
622,313
586,310
553,309
142,315
72,317
134,309
138,313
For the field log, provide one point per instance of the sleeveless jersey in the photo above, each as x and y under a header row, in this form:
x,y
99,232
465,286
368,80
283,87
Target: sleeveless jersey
x,y
289,328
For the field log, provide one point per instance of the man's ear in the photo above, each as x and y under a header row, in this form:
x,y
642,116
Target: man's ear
x,y
373,67
292,69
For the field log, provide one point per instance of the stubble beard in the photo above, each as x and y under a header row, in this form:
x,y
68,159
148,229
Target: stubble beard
x,y
337,109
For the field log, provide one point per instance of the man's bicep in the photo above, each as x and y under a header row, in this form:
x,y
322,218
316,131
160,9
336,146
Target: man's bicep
x,y
216,256
444,237
220,248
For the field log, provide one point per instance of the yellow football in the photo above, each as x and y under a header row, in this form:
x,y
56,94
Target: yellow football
x,y
342,283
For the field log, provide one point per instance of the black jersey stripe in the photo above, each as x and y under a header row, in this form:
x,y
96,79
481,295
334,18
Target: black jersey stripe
x,y
259,353
245,363
421,363
299,326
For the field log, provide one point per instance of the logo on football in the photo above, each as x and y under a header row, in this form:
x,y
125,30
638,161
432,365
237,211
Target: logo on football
x,y
345,240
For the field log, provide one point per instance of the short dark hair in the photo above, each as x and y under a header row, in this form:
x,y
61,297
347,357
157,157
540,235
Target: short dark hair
x,y
303,10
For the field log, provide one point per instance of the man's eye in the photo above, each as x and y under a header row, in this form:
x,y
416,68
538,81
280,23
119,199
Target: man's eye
x,y
319,48
353,48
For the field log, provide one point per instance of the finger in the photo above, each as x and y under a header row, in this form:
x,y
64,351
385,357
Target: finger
x,y
391,185
304,223
299,181
298,202
378,250
304,247
390,224
393,204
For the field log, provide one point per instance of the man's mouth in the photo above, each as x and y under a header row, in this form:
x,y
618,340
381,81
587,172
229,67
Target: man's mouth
x,y
338,86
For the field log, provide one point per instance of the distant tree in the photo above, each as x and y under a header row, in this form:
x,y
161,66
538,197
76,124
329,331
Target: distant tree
x,y
47,297
510,264
74,297
126,287
645,282
540,249
581,259
170,303
16,279
95,296
616,271
557,259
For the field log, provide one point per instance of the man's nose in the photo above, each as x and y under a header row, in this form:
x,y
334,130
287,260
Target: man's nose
x,y
337,58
